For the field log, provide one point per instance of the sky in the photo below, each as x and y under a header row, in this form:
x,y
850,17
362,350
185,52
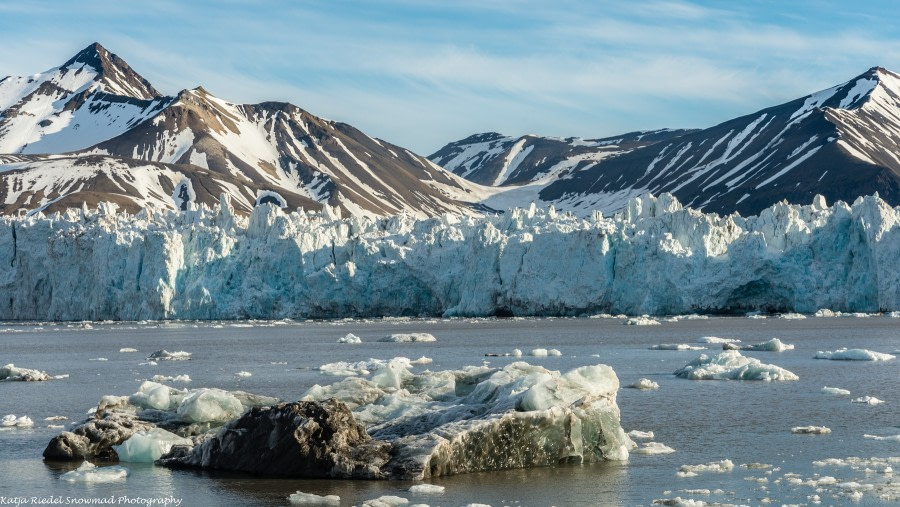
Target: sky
x,y
422,73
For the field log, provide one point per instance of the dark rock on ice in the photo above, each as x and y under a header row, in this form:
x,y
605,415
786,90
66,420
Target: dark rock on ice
x,y
95,438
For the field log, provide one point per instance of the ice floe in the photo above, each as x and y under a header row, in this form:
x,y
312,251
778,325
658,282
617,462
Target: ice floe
x,y
386,501
409,337
653,448
243,374
731,365
835,390
644,384
11,373
11,421
640,434
676,346
791,316
773,345
890,438
643,320
301,498
165,355
844,354
427,489
716,339
722,466
147,446
171,378
125,350
868,400
810,430
350,338
541,352
88,472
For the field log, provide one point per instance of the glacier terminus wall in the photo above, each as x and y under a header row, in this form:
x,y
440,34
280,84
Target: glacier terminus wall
x,y
655,257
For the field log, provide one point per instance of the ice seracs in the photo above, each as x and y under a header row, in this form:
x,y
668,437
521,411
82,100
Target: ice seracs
x,y
731,365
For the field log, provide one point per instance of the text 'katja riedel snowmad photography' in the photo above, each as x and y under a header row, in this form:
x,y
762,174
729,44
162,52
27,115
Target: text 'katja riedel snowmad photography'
x,y
453,254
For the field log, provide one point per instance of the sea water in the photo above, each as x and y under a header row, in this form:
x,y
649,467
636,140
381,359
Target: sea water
x,y
704,421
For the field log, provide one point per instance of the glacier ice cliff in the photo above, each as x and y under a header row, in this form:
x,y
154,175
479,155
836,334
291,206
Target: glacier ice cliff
x,y
655,257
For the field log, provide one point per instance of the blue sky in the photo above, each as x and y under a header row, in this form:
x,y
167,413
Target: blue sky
x,y
420,73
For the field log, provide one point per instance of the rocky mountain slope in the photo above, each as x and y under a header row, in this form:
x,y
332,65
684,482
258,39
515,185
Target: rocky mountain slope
x,y
103,132
842,142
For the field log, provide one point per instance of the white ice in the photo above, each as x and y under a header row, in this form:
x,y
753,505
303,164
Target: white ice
x,y
716,466
891,438
844,354
165,355
773,345
644,384
835,390
643,320
171,378
676,346
409,337
127,349
88,472
867,400
810,430
640,434
243,374
148,446
716,339
427,489
11,421
11,372
350,338
653,448
301,498
209,405
386,501
731,365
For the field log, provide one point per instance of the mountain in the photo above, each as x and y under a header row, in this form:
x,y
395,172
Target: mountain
x,y
842,142
93,129
496,160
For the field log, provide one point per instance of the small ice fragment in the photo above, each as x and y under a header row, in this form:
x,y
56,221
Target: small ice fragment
x,y
165,355
168,378
773,345
88,472
427,489
11,373
422,360
676,346
716,339
554,352
653,448
868,400
538,352
127,349
643,320
243,374
386,501
301,498
56,418
350,338
517,353
644,384
99,359
725,465
408,338
844,354
11,421
791,316
640,434
810,430
891,438
835,390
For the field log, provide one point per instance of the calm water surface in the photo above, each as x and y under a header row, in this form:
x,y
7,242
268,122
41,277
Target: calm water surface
x,y
705,421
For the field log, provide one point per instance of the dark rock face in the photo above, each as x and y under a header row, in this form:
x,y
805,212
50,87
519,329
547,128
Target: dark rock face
x,y
94,439
300,439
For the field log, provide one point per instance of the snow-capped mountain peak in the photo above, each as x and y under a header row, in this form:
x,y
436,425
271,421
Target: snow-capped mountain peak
x,y
113,74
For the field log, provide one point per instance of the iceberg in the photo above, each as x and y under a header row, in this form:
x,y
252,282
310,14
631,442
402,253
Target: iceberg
x,y
644,384
716,339
773,345
408,338
148,446
11,373
397,424
350,338
427,489
11,421
651,448
643,320
854,355
835,390
301,498
810,430
209,405
867,400
165,355
723,466
731,365
88,472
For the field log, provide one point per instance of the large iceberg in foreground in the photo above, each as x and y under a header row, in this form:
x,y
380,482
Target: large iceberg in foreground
x,y
654,258
731,365
419,425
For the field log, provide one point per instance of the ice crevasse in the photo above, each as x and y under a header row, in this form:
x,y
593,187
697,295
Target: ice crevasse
x,y
655,257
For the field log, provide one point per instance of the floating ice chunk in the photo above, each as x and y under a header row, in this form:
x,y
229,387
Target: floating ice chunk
x,y
517,353
99,359
422,360
148,446
56,418
409,337
167,378
643,320
125,350
393,373
756,466
210,405
350,338
791,316
868,400
676,346
554,353
835,390
427,489
640,434
56,426
844,354
716,339
347,369
810,430
891,438
154,395
386,501
644,384
11,421
538,353
165,355
773,345
88,472
653,448
731,365
726,465
301,498
824,312
11,373
243,374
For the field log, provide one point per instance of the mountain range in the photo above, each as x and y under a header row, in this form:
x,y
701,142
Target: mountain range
x,y
94,130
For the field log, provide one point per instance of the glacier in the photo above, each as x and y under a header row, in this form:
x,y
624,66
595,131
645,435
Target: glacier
x,y
654,258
